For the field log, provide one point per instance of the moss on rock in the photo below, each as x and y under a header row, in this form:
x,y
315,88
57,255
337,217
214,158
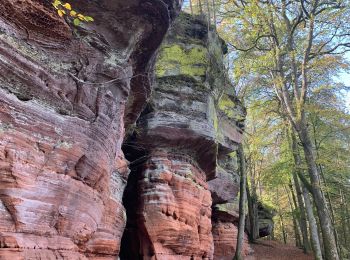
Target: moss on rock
x,y
175,59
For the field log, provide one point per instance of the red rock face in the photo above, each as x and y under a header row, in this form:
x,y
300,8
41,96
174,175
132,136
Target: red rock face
x,y
184,170
62,171
175,209
225,240
66,95
55,189
54,186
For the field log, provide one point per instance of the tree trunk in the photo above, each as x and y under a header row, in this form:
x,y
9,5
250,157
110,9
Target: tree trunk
x,y
295,223
330,247
208,15
315,240
328,197
242,201
298,167
347,214
325,190
200,6
283,229
302,220
191,7
253,226
343,215
214,13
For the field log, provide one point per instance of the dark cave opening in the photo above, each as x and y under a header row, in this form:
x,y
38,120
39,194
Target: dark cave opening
x,y
135,242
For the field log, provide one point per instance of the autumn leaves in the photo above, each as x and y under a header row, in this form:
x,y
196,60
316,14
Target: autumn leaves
x,y
65,9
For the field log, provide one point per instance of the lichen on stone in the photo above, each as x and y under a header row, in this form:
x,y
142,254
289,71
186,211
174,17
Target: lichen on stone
x,y
176,59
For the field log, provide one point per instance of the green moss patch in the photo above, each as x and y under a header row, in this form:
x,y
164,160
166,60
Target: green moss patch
x,y
175,60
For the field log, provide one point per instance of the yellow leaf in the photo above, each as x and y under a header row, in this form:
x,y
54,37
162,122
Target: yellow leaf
x,y
81,17
73,13
56,3
60,13
67,6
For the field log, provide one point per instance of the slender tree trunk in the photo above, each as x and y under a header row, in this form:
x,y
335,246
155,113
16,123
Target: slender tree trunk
x,y
259,182
214,13
295,223
300,187
330,246
318,227
325,190
347,214
252,208
347,221
200,6
253,220
328,197
208,15
298,165
191,7
242,201
283,229
343,215
315,240
342,212
302,220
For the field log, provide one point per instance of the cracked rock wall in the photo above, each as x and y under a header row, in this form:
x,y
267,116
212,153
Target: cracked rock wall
x,y
62,171
183,145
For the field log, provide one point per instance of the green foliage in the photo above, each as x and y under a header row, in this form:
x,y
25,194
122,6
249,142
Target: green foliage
x,y
262,65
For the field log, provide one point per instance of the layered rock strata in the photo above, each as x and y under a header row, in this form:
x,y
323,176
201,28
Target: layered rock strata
x,y
183,146
66,94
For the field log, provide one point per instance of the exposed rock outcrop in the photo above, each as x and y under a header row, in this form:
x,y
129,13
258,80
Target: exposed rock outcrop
x,y
65,92
184,146
265,220
259,223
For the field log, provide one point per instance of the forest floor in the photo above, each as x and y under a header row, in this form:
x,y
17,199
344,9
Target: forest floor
x,y
274,250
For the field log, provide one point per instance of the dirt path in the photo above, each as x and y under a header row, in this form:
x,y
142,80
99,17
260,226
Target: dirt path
x,y
277,251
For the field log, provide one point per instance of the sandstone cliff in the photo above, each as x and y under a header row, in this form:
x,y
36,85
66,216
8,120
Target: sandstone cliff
x,y
67,94
62,171
181,196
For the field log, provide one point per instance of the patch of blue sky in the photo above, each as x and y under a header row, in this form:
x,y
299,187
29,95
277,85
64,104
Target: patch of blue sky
x,y
344,78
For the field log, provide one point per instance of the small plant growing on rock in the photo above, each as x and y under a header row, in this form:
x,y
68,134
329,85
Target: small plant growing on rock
x,y
65,9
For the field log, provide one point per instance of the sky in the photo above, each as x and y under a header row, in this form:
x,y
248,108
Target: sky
x,y
345,78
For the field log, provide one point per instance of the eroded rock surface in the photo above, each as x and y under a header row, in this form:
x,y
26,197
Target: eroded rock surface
x,y
265,220
183,146
65,92
175,208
